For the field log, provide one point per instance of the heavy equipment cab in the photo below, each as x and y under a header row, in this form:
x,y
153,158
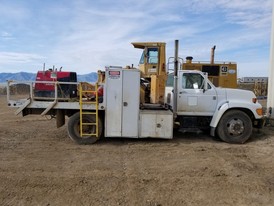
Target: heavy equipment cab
x,y
153,71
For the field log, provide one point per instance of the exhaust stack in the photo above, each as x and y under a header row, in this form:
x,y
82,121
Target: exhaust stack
x,y
212,54
189,59
176,67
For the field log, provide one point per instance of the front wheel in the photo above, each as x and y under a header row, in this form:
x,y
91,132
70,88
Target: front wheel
x,y
235,127
74,128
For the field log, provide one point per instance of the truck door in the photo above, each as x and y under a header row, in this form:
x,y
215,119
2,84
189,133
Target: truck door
x,y
192,98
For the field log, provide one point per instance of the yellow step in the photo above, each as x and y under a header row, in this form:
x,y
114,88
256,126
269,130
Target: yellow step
x,y
89,112
88,91
91,134
89,102
91,124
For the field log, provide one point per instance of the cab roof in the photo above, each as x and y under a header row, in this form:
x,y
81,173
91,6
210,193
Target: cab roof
x,y
142,45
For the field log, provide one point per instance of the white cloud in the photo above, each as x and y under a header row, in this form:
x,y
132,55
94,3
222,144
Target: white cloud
x,y
88,35
251,13
5,34
256,68
102,37
13,57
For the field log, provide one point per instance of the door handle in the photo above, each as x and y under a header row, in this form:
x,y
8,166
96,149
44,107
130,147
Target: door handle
x,y
125,104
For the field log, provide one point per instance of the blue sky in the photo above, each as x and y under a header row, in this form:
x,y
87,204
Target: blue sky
x,y
87,35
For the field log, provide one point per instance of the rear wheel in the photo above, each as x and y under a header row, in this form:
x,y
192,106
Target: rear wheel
x,y
74,128
235,127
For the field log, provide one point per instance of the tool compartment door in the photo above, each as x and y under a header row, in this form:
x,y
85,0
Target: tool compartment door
x,y
131,102
122,102
113,98
156,124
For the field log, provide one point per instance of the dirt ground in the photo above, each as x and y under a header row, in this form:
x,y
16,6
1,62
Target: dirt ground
x,y
40,165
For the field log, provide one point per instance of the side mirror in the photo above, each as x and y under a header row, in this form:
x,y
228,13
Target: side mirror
x,y
205,83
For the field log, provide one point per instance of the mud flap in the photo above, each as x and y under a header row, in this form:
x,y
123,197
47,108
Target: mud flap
x,y
60,118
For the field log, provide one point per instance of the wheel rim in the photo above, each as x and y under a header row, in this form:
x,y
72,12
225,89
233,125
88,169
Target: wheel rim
x,y
235,127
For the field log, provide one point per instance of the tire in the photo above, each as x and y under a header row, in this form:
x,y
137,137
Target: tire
x,y
234,127
74,128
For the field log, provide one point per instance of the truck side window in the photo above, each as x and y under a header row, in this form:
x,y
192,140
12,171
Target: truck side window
x,y
152,55
192,81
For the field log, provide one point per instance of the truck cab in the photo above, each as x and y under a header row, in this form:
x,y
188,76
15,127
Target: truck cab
x,y
227,113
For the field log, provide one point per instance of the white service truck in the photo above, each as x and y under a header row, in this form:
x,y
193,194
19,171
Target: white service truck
x,y
192,103
229,113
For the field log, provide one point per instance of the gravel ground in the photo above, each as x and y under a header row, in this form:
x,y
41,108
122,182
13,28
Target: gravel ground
x,y
40,165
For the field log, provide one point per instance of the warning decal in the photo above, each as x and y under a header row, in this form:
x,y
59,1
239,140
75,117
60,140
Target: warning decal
x,y
114,74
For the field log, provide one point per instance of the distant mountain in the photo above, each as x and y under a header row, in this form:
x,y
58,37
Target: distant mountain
x,y
25,76
20,76
91,77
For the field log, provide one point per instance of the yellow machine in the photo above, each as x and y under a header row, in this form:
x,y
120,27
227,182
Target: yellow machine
x,y
153,71
221,74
